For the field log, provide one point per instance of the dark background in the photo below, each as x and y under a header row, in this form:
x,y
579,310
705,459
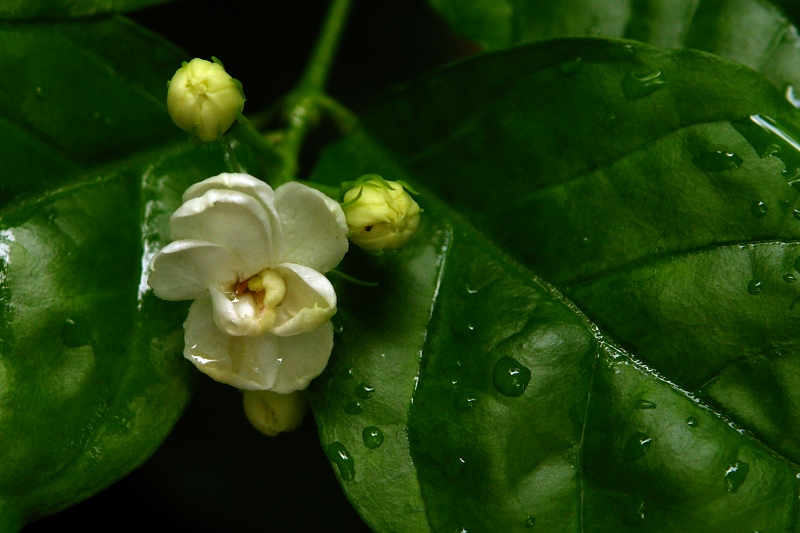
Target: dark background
x,y
215,473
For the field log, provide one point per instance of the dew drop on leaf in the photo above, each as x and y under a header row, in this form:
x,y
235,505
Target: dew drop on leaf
x,y
736,475
372,437
339,456
364,391
789,278
76,332
758,209
530,522
718,161
638,86
692,421
353,408
571,67
456,467
637,446
755,286
645,404
511,377
465,402
40,94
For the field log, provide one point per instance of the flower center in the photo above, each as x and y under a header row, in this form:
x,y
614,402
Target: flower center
x,y
267,288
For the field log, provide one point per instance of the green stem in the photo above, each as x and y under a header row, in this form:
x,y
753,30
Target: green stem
x,y
304,103
319,65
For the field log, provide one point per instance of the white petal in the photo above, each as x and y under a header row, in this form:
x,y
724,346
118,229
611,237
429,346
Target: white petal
x,y
310,300
233,220
280,364
238,316
249,363
302,358
183,270
249,185
314,227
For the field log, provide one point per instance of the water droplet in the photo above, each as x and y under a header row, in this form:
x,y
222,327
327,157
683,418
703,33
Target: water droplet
x,y
510,377
469,289
40,94
637,446
645,404
372,437
755,286
633,515
718,161
758,209
770,150
789,278
455,467
638,86
353,408
571,67
790,95
364,391
735,475
470,328
76,332
465,402
339,456
530,522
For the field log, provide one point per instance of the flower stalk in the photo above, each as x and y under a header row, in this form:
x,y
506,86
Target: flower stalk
x,y
307,103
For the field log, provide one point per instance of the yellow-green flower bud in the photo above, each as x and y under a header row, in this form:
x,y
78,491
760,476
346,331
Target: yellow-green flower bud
x,y
272,413
380,214
204,99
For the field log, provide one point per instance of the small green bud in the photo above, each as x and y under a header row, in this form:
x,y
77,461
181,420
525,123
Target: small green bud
x,y
380,214
204,100
272,413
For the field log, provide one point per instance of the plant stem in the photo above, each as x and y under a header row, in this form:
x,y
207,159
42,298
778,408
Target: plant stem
x,y
305,103
319,65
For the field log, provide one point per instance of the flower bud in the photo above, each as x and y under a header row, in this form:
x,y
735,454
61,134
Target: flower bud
x,y
380,214
272,413
204,99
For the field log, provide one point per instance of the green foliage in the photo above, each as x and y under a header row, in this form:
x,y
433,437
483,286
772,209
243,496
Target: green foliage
x,y
51,9
92,376
752,32
655,189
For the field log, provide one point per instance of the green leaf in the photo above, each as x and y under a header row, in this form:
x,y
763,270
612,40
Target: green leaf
x,y
628,203
92,376
752,32
52,9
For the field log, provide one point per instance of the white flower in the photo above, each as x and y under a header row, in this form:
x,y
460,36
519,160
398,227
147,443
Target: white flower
x,y
252,260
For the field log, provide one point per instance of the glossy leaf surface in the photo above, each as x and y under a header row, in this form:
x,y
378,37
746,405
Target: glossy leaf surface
x,y
50,9
751,32
634,203
91,369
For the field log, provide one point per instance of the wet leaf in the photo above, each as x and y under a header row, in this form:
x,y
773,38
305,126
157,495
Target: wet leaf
x,y
671,404
92,376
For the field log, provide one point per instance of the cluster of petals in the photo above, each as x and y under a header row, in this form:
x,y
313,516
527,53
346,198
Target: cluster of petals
x,y
253,260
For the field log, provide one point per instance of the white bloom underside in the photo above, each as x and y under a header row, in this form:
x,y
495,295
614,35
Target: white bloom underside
x,y
252,260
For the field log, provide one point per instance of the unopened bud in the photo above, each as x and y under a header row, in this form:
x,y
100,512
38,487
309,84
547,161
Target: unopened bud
x,y
204,100
380,214
272,413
